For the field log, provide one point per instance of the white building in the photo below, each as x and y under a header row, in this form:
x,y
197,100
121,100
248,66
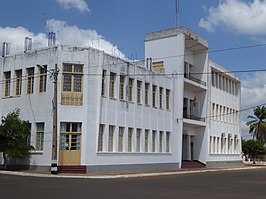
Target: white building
x,y
115,115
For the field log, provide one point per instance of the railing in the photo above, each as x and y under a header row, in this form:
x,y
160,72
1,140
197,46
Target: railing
x,y
188,76
193,117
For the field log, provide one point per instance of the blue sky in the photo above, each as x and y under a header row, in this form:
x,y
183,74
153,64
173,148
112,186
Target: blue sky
x,y
119,27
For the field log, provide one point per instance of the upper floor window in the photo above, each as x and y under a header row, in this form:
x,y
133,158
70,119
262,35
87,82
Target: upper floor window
x,y
161,97
158,67
154,88
130,89
43,79
103,82
72,84
122,87
139,88
147,87
18,82
30,80
112,85
167,93
7,76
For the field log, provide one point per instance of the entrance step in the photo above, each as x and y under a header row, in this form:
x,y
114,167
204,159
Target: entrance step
x,y
192,164
72,169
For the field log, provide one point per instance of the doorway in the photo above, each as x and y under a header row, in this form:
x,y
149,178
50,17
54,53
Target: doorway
x,y
70,144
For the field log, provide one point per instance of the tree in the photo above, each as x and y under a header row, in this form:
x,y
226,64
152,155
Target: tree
x,y
257,125
253,148
14,137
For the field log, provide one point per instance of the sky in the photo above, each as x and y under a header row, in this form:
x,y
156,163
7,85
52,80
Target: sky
x,y
119,26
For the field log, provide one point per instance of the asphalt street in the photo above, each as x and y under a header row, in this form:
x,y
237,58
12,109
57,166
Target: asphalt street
x,y
224,184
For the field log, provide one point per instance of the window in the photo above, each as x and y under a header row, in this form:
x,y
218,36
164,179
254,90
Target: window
x,y
30,80
130,89
138,140
29,137
103,82
167,142
167,99
161,98
153,141
111,139
112,85
158,67
130,135
147,86
121,87
70,135
42,80
154,88
39,136
210,145
72,85
121,139
100,138
213,78
7,76
161,142
139,85
18,82
146,140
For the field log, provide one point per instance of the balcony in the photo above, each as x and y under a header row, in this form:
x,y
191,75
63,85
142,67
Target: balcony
x,y
193,117
188,76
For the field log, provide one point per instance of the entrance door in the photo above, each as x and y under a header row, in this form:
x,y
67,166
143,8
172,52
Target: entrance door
x,y
70,139
191,151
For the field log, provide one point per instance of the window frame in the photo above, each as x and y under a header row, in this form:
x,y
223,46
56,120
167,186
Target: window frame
x,y
111,138
18,82
7,83
139,91
101,138
42,78
112,83
122,87
30,80
121,139
39,143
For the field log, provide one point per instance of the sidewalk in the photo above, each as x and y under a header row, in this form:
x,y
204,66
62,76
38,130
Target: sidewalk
x,y
36,173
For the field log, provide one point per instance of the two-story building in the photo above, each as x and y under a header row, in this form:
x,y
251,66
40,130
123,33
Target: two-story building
x,y
118,115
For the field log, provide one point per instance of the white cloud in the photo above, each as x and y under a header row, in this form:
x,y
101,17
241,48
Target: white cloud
x,y
16,37
65,34
253,93
80,5
72,35
239,16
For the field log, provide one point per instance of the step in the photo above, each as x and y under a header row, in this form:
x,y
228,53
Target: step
x,y
72,169
193,164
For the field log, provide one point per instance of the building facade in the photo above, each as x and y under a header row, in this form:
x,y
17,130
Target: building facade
x,y
118,115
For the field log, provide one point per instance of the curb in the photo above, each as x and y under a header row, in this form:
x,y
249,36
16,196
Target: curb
x,y
118,176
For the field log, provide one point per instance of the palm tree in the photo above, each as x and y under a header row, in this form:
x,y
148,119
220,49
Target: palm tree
x,y
257,124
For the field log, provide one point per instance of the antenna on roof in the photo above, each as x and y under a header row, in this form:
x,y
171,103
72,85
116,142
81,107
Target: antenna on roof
x,y
51,39
177,13
6,49
27,44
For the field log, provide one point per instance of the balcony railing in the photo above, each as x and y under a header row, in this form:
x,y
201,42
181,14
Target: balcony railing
x,y
193,117
188,76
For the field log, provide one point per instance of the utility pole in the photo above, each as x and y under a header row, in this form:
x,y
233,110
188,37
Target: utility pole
x,y
54,145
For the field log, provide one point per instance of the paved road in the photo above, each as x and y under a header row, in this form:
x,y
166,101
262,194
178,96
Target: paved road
x,y
227,184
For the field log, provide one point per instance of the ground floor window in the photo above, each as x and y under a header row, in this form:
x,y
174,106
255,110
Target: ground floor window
x,y
39,136
100,137
111,138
